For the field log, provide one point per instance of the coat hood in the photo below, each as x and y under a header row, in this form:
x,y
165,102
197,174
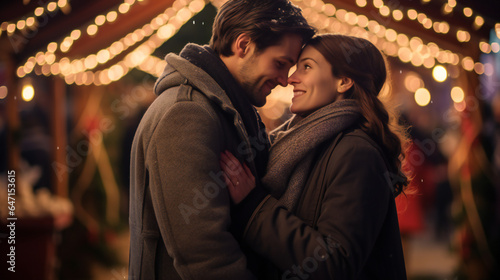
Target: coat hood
x,y
180,71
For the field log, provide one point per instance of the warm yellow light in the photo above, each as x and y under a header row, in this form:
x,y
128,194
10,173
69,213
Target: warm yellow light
x,y
417,60
92,29
50,58
403,40
452,3
397,15
413,82
495,47
468,63
439,73
405,54
361,3
75,34
391,35
429,62
115,72
100,20
479,21
362,21
421,17
52,6
62,3
457,94
11,28
123,8
116,48
52,47
485,47
385,11
427,23
378,3
412,14
479,68
436,27
111,16
21,24
21,72
415,43
422,97
30,21
198,5
3,92
103,56
28,92
166,31
444,27
463,36
467,12
91,61
447,9
55,69
38,11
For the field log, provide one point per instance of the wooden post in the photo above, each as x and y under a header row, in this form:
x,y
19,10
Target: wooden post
x,y
59,138
13,120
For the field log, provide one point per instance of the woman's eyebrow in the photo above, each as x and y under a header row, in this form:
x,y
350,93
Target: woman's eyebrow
x,y
307,58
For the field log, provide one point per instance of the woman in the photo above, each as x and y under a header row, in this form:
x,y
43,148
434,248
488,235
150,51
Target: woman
x,y
333,173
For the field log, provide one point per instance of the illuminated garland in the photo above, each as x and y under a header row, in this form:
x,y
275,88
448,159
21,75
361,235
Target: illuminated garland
x,y
324,16
409,50
437,26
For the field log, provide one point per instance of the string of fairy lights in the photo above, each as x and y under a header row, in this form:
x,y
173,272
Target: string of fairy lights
x,y
31,21
326,17
79,71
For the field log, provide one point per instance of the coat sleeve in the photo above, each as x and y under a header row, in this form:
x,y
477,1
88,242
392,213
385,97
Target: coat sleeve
x,y
190,203
352,213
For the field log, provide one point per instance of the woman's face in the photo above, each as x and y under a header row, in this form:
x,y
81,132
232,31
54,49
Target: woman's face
x,y
314,85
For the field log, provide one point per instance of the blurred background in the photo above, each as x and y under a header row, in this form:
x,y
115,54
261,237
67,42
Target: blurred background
x,y
76,77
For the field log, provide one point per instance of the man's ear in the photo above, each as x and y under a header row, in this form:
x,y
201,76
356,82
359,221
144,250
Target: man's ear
x,y
241,45
345,84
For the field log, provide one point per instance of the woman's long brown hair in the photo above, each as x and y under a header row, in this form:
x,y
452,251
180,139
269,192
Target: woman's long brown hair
x,y
360,60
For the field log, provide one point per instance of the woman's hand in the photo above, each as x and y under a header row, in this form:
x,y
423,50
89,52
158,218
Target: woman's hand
x,y
239,179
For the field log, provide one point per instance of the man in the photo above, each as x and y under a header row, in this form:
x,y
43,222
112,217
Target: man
x,y
180,218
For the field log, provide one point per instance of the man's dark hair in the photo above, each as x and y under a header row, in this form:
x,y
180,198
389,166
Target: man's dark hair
x,y
265,21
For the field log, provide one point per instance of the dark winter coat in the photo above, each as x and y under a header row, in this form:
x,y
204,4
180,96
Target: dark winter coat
x,y
179,206
345,225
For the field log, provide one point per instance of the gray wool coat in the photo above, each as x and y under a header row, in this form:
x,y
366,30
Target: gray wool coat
x,y
179,207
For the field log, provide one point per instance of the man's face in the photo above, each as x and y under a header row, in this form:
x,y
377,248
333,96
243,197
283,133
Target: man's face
x,y
261,72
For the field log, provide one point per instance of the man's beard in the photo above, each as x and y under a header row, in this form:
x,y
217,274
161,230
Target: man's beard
x,y
250,83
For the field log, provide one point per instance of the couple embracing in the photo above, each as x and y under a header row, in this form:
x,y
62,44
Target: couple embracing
x,y
212,196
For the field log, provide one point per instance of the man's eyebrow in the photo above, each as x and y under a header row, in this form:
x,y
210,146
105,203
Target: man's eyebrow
x,y
289,59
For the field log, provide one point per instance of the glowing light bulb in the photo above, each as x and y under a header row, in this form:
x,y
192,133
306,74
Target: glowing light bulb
x,y
439,73
457,94
422,97
28,92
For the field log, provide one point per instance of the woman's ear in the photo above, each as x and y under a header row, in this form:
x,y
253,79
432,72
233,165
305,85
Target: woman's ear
x,y
241,45
345,84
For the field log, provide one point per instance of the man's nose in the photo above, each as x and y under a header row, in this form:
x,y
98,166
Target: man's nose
x,y
283,79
